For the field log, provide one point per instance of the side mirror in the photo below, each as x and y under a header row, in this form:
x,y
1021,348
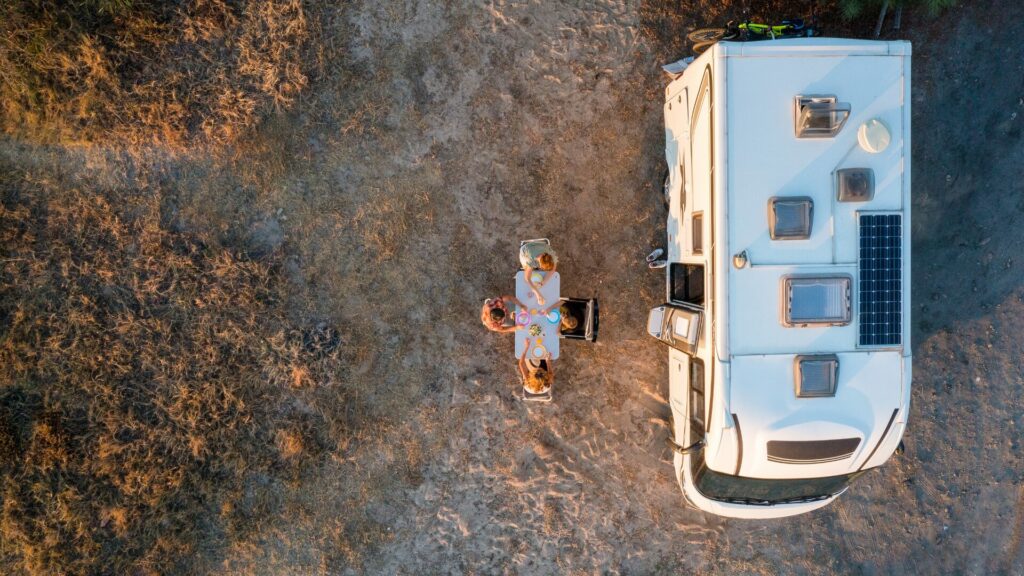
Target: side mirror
x,y
691,449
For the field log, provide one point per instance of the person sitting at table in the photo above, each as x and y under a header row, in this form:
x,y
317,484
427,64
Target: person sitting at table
x,y
538,375
537,256
569,320
498,314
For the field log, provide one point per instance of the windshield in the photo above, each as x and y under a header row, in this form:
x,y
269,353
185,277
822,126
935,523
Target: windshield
x,y
728,488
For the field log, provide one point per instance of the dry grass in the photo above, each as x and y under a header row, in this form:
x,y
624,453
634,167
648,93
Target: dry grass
x,y
145,72
152,387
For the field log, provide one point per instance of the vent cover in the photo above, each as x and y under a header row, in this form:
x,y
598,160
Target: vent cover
x,y
816,376
880,266
855,184
811,452
816,300
819,116
790,218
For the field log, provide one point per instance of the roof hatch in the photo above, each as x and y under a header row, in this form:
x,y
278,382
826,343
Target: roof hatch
x,y
819,116
816,300
790,218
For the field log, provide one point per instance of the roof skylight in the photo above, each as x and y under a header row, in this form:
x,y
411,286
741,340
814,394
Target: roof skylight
x,y
816,301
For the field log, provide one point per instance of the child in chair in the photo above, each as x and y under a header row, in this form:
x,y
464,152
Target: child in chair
x,y
538,376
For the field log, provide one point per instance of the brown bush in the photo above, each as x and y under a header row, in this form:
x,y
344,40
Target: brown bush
x,y
150,386
146,71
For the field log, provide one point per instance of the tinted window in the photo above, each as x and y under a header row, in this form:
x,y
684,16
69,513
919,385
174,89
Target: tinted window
x,y
688,283
729,488
696,399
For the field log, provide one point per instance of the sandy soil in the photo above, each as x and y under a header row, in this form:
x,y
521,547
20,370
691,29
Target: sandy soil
x,y
396,191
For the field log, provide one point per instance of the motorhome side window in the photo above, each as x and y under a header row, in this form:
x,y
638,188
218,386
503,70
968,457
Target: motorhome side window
x,y
687,283
696,399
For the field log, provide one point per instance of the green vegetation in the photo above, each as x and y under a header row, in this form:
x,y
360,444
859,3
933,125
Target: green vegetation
x,y
854,8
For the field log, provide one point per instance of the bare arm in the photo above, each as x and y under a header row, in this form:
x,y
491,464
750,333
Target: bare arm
x,y
547,276
528,275
513,300
556,304
551,364
522,364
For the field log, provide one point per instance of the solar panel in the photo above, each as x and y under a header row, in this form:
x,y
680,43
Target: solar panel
x,y
880,280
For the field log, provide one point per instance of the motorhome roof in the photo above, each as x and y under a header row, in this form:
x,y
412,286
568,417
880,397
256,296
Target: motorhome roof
x,y
759,158
764,160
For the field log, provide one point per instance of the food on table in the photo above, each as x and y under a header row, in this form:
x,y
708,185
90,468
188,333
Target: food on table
x,y
535,330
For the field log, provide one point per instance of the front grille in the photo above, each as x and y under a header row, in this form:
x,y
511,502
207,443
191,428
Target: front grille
x,y
811,452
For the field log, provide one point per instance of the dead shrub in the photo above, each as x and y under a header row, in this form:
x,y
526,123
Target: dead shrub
x,y
147,72
153,388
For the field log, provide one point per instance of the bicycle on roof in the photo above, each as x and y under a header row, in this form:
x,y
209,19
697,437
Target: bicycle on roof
x,y
747,31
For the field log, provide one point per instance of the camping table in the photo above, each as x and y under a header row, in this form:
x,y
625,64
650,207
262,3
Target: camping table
x,y
549,330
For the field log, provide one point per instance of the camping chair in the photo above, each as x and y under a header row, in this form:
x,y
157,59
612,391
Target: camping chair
x,y
542,397
544,240
539,240
587,317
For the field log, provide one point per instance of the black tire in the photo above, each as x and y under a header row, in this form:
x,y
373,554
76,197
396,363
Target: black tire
x,y
701,47
702,35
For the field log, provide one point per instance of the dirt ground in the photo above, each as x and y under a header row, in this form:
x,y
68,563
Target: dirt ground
x,y
394,193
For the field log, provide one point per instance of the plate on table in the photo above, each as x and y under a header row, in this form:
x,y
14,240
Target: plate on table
x,y
539,351
522,319
536,277
554,316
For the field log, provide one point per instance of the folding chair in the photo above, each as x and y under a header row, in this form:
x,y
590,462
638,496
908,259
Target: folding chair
x,y
542,397
539,240
587,316
544,240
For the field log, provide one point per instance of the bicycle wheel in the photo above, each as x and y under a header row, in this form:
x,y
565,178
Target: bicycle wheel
x,y
703,35
700,47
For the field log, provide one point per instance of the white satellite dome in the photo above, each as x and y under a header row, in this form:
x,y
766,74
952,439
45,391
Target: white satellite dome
x,y
873,136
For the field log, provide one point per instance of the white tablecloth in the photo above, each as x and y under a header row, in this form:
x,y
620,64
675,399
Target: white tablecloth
x,y
548,338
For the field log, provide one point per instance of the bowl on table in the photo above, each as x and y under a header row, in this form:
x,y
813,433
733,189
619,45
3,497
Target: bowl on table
x,y
523,318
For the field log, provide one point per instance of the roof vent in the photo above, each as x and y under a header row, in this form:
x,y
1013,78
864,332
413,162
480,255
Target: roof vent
x,y
790,218
816,376
819,116
855,184
816,301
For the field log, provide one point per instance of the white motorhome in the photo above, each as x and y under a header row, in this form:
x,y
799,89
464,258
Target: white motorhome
x,y
788,274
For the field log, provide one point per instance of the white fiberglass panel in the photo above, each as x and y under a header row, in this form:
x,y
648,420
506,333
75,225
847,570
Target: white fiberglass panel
x,y
763,398
766,158
758,313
